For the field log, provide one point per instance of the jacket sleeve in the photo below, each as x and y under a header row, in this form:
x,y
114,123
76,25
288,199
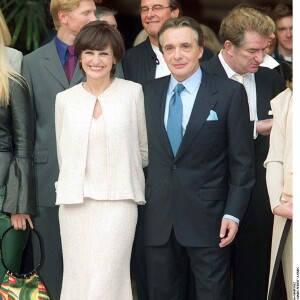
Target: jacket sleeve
x,y
20,186
58,125
143,141
274,162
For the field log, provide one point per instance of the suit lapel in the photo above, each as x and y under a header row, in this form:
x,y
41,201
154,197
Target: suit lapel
x,y
262,100
158,112
77,76
53,65
204,102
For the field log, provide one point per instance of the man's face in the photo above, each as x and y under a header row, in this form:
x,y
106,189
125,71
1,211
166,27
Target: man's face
x,y
284,32
80,16
153,20
181,52
248,57
110,19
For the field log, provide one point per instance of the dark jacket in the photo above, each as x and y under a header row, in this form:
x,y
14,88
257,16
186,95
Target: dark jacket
x,y
139,63
16,153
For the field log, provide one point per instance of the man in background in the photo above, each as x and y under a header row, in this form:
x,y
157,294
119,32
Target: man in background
x,y
283,18
48,71
244,33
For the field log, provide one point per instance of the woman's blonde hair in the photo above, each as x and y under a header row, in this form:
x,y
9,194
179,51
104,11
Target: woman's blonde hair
x,y
6,70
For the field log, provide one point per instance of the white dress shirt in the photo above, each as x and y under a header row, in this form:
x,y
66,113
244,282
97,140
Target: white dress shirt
x,y
250,87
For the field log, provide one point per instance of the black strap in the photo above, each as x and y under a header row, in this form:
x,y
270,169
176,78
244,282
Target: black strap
x,y
2,258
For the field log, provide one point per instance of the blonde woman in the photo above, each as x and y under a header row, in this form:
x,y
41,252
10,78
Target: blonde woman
x,y
17,200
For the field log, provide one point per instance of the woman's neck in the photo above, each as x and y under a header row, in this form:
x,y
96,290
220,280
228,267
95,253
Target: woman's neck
x,y
97,87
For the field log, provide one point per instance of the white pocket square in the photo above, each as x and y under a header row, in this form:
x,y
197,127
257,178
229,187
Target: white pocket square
x,y
212,116
270,113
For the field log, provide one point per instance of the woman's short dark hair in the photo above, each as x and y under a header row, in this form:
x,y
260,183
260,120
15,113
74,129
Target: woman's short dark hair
x,y
98,35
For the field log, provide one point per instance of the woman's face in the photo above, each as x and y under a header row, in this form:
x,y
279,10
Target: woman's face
x,y
97,64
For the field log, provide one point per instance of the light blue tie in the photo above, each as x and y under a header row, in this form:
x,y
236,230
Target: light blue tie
x,y
174,125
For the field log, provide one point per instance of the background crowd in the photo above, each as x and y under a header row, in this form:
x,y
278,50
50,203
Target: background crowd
x,y
81,87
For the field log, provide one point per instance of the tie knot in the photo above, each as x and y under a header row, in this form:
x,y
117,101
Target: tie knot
x,y
179,88
71,50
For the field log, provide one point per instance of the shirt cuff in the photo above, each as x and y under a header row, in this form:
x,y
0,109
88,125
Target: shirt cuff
x,y
254,131
232,218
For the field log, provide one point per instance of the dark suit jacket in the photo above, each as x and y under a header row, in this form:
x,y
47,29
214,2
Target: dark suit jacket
x,y
268,85
139,63
213,171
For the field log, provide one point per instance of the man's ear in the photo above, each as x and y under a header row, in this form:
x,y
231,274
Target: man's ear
x,y
175,13
229,48
201,52
63,17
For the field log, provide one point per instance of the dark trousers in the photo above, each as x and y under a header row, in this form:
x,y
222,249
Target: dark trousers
x,y
51,269
252,250
168,269
138,258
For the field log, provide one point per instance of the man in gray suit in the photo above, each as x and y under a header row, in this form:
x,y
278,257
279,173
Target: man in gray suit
x,y
44,70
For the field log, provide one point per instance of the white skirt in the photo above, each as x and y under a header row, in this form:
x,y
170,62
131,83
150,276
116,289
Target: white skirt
x,y
97,238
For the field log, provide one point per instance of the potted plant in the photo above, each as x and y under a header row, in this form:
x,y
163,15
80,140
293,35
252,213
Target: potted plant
x,y
26,20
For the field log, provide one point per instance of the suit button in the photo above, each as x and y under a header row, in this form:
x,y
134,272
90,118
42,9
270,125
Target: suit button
x,y
174,167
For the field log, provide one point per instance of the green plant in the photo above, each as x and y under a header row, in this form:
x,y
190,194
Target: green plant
x,y
26,19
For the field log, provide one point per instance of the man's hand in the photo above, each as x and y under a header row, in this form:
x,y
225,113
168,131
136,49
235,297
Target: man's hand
x,y
264,127
19,221
228,231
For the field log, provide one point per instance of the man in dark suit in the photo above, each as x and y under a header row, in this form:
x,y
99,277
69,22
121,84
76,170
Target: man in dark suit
x,y
141,64
201,169
45,74
244,34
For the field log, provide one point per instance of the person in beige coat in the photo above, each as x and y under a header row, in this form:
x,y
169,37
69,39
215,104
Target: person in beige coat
x,y
279,178
102,149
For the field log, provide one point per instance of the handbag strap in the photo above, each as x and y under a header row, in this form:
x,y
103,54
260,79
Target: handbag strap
x,y
2,258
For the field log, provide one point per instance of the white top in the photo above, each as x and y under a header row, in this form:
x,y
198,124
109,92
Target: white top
x,y
123,115
161,66
95,179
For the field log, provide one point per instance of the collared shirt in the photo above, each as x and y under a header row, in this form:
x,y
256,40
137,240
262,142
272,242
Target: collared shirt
x,y
62,50
269,62
188,96
161,66
250,87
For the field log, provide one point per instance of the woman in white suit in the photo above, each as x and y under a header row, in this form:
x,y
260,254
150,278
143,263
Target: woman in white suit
x,y
102,149
279,164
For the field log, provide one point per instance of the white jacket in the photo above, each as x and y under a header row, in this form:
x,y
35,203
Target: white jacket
x,y
122,106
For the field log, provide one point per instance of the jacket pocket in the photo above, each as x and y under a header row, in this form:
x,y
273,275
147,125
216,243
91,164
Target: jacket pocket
x,y
41,157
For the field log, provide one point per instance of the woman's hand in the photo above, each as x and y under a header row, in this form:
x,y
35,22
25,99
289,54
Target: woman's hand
x,y
285,209
18,221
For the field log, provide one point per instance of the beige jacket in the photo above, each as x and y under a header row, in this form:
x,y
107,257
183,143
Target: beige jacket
x,y
279,166
122,106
